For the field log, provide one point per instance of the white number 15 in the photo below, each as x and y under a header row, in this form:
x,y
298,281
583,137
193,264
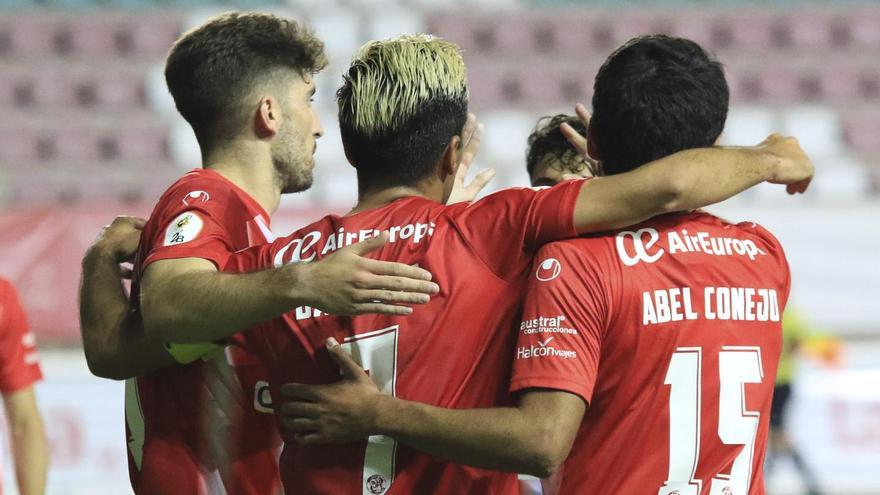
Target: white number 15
x,y
736,426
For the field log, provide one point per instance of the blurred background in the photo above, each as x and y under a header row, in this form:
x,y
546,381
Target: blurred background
x,y
88,131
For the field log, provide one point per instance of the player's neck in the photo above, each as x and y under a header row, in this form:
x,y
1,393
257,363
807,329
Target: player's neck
x,y
381,197
251,171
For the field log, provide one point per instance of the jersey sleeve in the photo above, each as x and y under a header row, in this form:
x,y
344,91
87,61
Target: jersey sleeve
x,y
193,226
506,228
19,361
255,258
564,320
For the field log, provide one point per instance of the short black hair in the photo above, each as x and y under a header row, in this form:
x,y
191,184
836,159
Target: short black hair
x,y
654,96
547,139
211,69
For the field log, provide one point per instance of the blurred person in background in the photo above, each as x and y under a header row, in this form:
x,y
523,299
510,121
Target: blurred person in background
x,y
591,312
551,157
244,82
19,371
799,340
400,108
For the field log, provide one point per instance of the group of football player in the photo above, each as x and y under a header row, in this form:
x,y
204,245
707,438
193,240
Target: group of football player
x,y
602,334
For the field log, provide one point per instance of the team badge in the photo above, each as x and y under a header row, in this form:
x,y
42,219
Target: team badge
x,y
184,228
196,197
548,270
377,484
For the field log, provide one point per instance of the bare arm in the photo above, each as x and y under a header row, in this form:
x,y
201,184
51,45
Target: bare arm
x,y
688,180
535,437
114,341
29,447
189,301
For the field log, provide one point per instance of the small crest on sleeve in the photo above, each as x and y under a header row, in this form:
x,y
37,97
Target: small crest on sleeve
x,y
184,228
549,269
196,197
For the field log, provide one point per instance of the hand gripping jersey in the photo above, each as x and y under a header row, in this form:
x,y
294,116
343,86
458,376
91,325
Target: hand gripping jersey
x,y
202,215
452,352
670,331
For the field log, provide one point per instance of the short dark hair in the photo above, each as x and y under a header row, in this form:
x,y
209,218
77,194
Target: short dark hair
x,y
547,140
211,69
401,103
654,96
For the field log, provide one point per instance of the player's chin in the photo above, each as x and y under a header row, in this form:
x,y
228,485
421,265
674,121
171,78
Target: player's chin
x,y
299,182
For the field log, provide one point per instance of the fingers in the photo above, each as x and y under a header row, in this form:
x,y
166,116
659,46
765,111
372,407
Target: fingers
x,y
391,297
300,409
350,369
583,114
134,222
299,391
299,425
470,125
381,309
574,138
369,245
481,181
391,268
470,149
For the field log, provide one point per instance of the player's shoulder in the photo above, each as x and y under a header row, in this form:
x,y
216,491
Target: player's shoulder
x,y
586,249
749,229
198,188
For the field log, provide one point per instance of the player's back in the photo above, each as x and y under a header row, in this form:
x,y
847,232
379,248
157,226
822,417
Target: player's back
x,y
454,351
682,359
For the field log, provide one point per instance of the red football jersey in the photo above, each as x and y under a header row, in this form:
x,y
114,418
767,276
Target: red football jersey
x,y
202,215
19,362
452,352
671,332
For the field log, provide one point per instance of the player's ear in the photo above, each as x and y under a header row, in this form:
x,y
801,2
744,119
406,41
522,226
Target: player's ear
x,y
267,119
449,162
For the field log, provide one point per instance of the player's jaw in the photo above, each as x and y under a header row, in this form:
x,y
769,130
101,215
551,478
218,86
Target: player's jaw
x,y
293,159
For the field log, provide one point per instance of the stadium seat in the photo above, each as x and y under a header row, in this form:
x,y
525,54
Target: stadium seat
x,y
863,28
18,145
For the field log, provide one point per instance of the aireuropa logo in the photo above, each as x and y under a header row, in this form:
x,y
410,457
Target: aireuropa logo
x,y
633,248
549,269
544,349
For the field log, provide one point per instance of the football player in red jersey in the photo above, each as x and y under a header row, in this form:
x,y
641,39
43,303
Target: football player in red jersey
x,y
19,371
645,357
400,108
244,83
550,158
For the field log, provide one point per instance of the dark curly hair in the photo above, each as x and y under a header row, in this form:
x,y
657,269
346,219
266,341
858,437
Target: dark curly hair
x,y
547,139
212,69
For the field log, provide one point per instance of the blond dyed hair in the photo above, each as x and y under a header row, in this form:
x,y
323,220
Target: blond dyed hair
x,y
391,80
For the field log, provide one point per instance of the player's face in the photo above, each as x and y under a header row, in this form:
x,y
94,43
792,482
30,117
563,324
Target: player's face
x,y
293,151
552,171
